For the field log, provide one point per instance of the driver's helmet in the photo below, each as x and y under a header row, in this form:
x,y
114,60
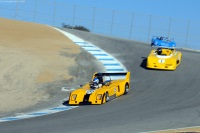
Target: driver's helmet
x,y
159,51
96,81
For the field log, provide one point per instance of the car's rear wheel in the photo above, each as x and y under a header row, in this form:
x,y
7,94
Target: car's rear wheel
x,y
177,62
126,89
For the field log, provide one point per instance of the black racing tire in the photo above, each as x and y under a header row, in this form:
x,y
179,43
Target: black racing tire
x,y
126,89
177,62
107,97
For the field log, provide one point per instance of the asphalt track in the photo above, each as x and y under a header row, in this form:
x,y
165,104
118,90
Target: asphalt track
x,y
158,100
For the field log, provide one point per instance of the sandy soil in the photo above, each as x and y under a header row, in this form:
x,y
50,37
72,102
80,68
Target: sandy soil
x,y
31,55
183,130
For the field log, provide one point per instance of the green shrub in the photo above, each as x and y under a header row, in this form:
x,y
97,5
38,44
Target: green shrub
x,y
82,28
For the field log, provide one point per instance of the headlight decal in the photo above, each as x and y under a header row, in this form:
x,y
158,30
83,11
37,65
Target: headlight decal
x,y
99,96
73,97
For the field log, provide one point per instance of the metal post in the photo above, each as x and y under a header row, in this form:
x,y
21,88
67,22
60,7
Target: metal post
x,y
149,28
131,28
169,29
74,15
94,13
188,28
113,14
54,13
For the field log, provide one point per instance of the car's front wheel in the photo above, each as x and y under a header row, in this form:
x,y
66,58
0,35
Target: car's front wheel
x,y
126,89
107,97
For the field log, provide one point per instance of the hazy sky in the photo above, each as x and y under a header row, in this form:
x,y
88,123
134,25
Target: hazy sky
x,y
183,9
180,9
151,17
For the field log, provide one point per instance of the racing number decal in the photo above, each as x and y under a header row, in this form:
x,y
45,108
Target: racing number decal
x,y
161,61
89,91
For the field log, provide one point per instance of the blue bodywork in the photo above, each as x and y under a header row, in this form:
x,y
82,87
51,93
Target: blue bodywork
x,y
160,41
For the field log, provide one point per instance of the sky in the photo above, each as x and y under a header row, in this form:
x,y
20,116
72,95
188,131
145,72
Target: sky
x,y
181,9
177,18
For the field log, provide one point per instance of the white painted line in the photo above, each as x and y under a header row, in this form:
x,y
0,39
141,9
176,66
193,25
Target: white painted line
x,y
67,89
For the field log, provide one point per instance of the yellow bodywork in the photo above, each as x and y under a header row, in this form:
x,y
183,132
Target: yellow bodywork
x,y
168,59
111,89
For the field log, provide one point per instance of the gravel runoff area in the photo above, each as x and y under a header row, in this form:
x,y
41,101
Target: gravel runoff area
x,y
36,61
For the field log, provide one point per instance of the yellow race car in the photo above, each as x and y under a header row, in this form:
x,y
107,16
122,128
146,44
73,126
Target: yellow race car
x,y
102,88
164,58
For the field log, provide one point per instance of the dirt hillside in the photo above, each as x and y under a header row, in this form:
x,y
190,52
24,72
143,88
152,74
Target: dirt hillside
x,y
31,55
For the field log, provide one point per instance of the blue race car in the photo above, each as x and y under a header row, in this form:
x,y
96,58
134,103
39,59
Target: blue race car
x,y
160,41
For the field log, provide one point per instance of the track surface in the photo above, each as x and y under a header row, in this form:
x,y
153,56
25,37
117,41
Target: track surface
x,y
158,100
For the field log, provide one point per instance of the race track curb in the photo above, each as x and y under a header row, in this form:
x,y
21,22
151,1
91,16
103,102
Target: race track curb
x,y
110,64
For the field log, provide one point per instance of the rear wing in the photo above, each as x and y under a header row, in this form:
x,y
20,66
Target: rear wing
x,y
163,47
166,42
112,76
169,39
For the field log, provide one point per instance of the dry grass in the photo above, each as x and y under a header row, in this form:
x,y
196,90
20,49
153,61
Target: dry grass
x,y
31,55
183,130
